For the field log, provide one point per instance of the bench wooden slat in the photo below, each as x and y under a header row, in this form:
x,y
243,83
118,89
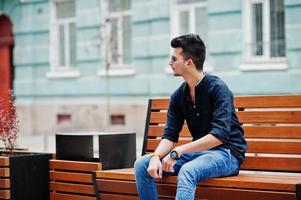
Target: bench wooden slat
x,y
292,101
258,175
153,143
74,165
274,147
117,186
247,117
269,116
5,194
73,188
60,196
119,174
4,183
248,180
270,147
238,194
160,104
104,196
272,163
157,131
287,132
4,161
217,193
71,177
4,172
158,117
252,183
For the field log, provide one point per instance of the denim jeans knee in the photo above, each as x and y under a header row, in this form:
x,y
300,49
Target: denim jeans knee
x,y
207,164
187,176
141,163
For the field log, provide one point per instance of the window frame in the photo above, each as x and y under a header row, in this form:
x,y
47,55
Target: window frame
x,y
265,61
56,70
119,16
119,68
175,11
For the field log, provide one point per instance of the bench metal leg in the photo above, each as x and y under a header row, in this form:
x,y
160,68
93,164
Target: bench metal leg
x,y
95,186
298,191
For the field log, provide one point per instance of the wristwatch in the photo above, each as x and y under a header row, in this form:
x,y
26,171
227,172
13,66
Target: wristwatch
x,y
174,155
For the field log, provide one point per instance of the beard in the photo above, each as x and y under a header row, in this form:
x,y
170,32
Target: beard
x,y
174,72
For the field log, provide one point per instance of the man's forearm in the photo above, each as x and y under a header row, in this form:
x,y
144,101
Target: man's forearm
x,y
164,147
207,142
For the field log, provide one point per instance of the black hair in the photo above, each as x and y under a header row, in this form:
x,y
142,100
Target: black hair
x,y
193,48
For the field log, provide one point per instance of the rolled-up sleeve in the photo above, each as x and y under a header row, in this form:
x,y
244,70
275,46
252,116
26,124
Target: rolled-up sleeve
x,y
175,120
221,117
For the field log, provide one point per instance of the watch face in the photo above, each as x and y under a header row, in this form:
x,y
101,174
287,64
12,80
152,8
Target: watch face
x,y
174,155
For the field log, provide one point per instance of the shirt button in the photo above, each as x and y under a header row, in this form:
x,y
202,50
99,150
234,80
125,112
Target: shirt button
x,y
194,106
198,114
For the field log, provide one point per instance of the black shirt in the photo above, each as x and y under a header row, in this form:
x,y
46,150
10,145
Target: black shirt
x,y
213,112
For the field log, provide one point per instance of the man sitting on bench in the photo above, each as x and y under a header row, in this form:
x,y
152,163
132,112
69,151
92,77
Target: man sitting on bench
x,y
206,103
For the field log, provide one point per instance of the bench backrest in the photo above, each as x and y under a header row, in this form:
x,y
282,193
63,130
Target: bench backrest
x,y
272,126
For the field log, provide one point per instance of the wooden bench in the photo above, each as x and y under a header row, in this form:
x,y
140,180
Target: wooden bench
x,y
271,171
72,180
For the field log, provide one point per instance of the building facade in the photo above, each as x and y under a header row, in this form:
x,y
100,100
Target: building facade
x,y
92,65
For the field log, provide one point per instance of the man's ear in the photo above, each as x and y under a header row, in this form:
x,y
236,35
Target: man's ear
x,y
189,63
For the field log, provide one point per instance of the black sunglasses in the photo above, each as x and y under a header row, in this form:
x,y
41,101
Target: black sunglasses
x,y
174,59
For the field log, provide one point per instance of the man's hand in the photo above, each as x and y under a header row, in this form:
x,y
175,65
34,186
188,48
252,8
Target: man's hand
x,y
168,163
155,167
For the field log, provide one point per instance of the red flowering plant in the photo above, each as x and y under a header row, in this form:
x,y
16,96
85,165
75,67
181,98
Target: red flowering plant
x,y
9,123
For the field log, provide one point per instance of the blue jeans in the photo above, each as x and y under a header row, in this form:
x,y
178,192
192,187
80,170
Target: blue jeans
x,y
190,169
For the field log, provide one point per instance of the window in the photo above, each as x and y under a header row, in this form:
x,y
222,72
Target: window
x,y
63,39
189,16
265,35
119,40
